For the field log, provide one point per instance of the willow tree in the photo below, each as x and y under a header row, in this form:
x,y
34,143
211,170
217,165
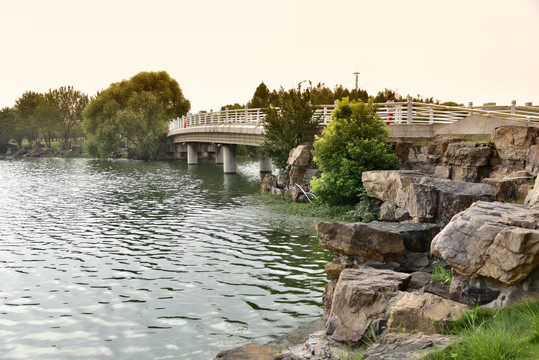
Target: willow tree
x,y
133,113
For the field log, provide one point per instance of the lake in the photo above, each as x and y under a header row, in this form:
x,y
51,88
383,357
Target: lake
x,y
147,260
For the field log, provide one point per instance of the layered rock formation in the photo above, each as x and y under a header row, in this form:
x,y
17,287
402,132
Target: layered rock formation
x,y
424,197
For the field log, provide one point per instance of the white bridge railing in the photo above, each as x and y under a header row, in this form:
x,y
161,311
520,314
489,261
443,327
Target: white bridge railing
x,y
408,112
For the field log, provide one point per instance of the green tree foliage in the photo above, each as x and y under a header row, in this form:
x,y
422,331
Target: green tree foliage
x,y
261,97
66,105
135,113
354,141
234,106
289,126
7,125
27,115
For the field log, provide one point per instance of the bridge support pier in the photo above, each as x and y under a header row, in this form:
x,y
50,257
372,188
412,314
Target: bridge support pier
x,y
192,154
229,158
218,154
265,164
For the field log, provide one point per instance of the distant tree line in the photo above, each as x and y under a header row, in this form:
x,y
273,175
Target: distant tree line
x,y
322,95
54,115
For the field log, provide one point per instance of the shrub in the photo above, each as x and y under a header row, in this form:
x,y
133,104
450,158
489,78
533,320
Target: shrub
x,y
354,141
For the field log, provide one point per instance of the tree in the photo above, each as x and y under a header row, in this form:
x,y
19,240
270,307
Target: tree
x,y
135,113
27,116
7,123
289,126
354,141
66,106
261,97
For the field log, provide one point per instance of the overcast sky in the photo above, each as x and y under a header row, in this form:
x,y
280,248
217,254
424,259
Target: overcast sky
x,y
219,51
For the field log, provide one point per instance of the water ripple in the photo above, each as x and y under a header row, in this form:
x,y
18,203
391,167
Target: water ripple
x,y
108,259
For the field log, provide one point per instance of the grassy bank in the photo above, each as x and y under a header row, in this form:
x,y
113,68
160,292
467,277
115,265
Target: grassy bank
x,y
508,333
314,210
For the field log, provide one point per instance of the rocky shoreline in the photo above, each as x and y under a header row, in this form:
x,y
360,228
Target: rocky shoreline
x,y
452,202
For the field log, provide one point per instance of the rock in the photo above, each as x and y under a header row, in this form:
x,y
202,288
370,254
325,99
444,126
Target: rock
x,y
404,346
468,154
503,189
419,280
316,346
387,212
425,196
522,191
391,213
269,182
277,192
327,297
496,241
360,296
333,269
424,312
465,173
532,160
301,155
378,241
512,143
300,193
533,196
461,291
248,352
443,171
437,288
415,261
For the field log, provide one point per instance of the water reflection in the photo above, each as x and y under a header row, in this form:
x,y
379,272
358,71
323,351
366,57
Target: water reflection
x,y
108,259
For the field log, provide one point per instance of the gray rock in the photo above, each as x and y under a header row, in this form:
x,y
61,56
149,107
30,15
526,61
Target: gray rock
x,y
468,154
404,346
425,196
360,296
496,241
532,160
378,241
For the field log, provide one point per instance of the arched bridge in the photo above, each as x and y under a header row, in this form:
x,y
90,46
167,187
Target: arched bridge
x,y
217,133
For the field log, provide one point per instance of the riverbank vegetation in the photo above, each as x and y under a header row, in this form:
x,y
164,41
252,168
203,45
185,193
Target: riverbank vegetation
x,y
508,333
354,141
315,210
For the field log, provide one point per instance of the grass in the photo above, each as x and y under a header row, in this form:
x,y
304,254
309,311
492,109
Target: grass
x,y
316,210
509,333
441,272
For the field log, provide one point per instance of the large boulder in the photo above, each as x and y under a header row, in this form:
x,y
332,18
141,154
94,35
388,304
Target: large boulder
x,y
424,312
302,167
495,241
361,296
512,143
425,196
378,241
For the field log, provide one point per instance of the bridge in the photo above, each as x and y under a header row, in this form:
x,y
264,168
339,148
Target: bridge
x,y
219,132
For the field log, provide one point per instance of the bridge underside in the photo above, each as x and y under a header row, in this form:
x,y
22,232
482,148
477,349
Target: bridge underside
x,y
245,134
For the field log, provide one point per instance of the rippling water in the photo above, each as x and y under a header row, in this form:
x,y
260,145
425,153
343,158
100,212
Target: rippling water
x,y
137,260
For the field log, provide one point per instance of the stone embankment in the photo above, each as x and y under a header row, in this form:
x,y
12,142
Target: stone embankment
x,y
444,207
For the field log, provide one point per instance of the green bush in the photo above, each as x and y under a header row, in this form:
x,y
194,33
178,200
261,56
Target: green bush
x,y
354,141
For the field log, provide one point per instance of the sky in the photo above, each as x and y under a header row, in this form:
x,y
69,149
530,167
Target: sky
x,y
220,51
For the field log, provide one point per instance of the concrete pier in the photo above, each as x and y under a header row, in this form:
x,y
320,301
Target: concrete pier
x,y
218,154
229,158
265,164
192,154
